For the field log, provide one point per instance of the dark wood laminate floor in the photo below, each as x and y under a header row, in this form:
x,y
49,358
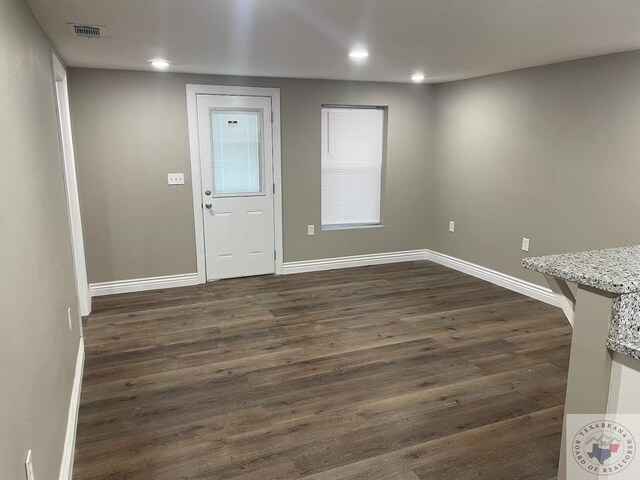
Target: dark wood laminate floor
x,y
405,371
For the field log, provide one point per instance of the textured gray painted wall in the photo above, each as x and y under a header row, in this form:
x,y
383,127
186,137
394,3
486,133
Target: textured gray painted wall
x,y
549,153
37,351
131,130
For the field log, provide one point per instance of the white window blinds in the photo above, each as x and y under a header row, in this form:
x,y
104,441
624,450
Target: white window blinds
x,y
352,145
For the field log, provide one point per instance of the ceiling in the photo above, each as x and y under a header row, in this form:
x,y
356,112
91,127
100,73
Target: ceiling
x,y
445,39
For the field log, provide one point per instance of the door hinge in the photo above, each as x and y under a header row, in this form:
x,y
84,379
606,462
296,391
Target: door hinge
x,y
274,188
275,255
271,116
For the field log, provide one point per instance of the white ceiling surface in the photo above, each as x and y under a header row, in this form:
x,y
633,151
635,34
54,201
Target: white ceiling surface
x,y
445,39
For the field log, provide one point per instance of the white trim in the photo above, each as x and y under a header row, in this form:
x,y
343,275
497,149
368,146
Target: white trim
x,y
524,287
329,228
66,467
71,184
196,181
353,261
564,295
529,289
193,91
143,284
277,180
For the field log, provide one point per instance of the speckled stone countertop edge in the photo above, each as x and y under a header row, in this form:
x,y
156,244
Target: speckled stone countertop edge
x,y
631,349
613,270
624,325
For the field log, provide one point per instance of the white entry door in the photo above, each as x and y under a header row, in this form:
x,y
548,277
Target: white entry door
x,y
236,155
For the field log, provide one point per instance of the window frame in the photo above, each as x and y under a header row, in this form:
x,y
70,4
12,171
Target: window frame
x,y
383,167
262,192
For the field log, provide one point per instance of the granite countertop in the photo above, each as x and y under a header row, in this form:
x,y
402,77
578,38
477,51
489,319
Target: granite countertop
x,y
612,270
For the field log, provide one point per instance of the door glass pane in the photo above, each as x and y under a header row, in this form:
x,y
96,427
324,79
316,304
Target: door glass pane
x,y
237,165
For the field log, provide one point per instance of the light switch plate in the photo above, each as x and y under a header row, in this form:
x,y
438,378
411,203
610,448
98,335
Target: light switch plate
x,y
525,244
311,230
452,226
175,178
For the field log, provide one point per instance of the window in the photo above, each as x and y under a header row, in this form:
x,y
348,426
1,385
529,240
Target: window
x,y
237,163
352,147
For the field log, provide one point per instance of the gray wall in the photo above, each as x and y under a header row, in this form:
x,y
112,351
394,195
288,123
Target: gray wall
x,y
37,351
131,130
549,153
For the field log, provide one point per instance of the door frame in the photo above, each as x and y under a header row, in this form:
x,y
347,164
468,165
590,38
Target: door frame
x,y
65,135
193,90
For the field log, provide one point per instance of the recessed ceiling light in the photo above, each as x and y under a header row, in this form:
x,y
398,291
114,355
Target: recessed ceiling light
x,y
160,63
417,77
358,53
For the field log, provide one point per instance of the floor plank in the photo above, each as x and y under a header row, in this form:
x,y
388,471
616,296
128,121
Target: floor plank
x,y
406,371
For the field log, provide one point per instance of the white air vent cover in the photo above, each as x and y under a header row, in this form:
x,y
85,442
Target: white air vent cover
x,y
87,31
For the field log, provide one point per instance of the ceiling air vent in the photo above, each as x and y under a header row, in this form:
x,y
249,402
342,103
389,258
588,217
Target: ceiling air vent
x,y
87,31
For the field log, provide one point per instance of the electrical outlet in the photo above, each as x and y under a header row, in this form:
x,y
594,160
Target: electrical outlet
x,y
525,244
452,226
311,230
175,178
28,466
69,318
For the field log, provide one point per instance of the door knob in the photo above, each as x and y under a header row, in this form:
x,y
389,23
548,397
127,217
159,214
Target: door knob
x,y
207,192
208,205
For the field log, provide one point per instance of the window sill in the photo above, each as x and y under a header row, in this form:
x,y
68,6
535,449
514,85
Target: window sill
x,y
327,228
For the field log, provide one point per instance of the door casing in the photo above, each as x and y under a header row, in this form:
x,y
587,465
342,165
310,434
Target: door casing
x,y
193,91
65,134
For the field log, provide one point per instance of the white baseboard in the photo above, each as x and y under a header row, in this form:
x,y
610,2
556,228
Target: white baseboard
x,y
66,467
352,261
532,290
529,289
143,284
